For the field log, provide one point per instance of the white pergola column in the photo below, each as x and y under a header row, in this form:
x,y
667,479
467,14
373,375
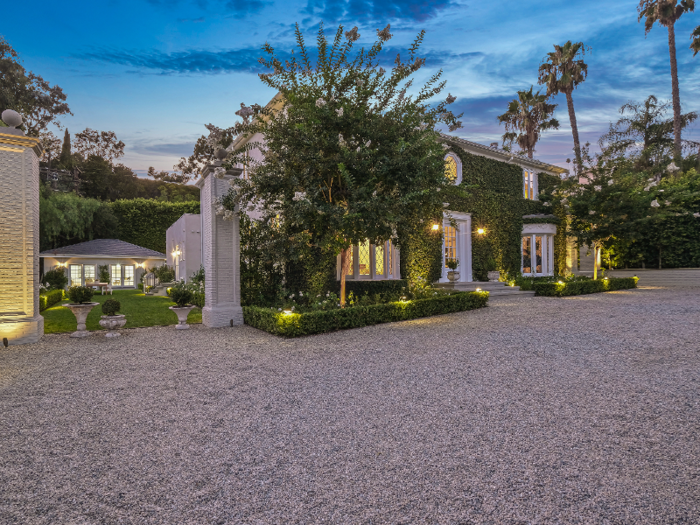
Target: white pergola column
x,y
20,321
220,255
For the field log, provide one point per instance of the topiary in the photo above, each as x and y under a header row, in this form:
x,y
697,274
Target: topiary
x,y
80,294
111,307
181,295
56,279
103,273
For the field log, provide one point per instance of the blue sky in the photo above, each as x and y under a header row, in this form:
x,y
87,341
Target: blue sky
x,y
156,71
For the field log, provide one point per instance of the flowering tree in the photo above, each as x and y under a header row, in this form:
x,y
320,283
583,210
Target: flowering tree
x,y
348,155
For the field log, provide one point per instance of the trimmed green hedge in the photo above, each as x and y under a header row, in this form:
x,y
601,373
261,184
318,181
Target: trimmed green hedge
x,y
295,325
561,289
360,288
49,299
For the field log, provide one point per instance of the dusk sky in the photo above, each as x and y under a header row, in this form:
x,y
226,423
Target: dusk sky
x,y
156,71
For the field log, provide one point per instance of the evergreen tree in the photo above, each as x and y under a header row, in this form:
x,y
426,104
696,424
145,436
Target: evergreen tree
x,y
65,160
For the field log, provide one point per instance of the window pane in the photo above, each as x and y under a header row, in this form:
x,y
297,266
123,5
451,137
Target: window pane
x,y
538,254
116,274
363,257
379,260
526,184
128,276
390,262
89,270
76,275
450,244
527,261
451,169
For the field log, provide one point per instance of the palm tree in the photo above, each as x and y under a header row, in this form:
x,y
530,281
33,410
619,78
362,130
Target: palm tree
x,y
561,72
666,13
527,117
695,44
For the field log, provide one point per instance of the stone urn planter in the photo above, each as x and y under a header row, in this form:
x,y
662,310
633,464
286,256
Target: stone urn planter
x,y
112,322
494,276
81,311
182,312
453,276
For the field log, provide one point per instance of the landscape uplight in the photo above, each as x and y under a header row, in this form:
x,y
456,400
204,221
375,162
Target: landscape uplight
x,y
480,231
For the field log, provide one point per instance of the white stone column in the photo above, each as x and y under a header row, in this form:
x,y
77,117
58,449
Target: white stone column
x,y
220,255
20,321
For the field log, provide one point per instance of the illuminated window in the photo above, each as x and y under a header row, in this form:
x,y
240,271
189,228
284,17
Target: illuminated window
x,y
128,276
527,256
451,168
450,244
379,260
529,181
76,275
89,272
116,274
364,258
538,254
390,260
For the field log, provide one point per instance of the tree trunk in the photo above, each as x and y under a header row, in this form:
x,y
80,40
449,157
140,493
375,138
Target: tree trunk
x,y
676,93
574,131
344,264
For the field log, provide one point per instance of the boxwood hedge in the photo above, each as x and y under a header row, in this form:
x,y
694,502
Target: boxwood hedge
x,y
295,325
561,289
49,299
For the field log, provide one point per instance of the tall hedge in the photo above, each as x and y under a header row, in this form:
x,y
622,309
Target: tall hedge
x,y
144,221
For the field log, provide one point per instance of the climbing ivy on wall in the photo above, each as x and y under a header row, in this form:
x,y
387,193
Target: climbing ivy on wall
x,y
144,221
421,250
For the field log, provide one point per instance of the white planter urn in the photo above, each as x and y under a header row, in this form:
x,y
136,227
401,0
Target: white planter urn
x,y
81,311
112,322
453,276
494,276
182,312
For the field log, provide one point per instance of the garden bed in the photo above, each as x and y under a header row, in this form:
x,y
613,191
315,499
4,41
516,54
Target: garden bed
x,y
290,324
581,287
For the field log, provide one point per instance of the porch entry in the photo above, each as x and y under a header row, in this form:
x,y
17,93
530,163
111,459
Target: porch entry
x,y
538,249
457,244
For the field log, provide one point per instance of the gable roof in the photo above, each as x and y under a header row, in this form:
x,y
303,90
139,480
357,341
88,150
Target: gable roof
x,y
502,155
104,248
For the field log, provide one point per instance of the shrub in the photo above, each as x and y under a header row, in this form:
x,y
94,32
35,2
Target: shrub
x,y
103,272
56,279
360,288
80,294
289,324
49,299
181,295
140,286
111,307
164,273
561,288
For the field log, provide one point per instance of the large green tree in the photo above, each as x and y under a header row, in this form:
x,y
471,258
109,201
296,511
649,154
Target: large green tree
x,y
667,13
695,37
39,103
104,144
644,132
349,154
561,72
528,116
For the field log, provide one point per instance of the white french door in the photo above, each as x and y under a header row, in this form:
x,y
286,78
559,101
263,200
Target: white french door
x,y
457,244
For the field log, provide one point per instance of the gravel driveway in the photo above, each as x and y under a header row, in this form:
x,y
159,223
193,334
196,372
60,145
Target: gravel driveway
x,y
534,410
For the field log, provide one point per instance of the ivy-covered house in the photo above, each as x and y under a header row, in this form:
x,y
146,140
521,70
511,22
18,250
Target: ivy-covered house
x,y
497,220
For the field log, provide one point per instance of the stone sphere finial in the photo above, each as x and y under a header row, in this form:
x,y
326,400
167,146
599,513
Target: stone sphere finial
x,y
11,118
221,154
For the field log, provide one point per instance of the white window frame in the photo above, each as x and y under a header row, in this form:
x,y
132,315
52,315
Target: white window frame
x,y
464,245
547,232
458,180
390,274
530,182
70,274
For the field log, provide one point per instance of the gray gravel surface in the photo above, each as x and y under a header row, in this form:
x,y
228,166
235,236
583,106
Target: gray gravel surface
x,y
534,410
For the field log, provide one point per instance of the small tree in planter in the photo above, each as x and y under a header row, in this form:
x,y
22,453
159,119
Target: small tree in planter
x,y
492,269
81,306
103,273
182,296
453,274
111,319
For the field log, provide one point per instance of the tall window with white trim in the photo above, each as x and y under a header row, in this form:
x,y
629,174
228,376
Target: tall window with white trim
x,y
453,168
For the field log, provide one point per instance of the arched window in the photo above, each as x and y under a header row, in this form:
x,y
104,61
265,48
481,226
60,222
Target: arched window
x,y
453,168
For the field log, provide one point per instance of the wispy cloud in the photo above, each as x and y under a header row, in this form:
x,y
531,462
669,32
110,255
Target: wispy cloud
x,y
382,11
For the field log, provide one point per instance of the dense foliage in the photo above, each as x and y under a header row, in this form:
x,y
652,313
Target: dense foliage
x,y
111,307
55,279
181,294
80,294
290,324
50,298
348,156
584,286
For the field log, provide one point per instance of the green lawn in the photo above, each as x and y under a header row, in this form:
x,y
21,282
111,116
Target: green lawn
x,y
140,310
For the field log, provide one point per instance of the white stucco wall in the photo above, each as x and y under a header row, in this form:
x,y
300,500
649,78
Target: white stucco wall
x,y
186,235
